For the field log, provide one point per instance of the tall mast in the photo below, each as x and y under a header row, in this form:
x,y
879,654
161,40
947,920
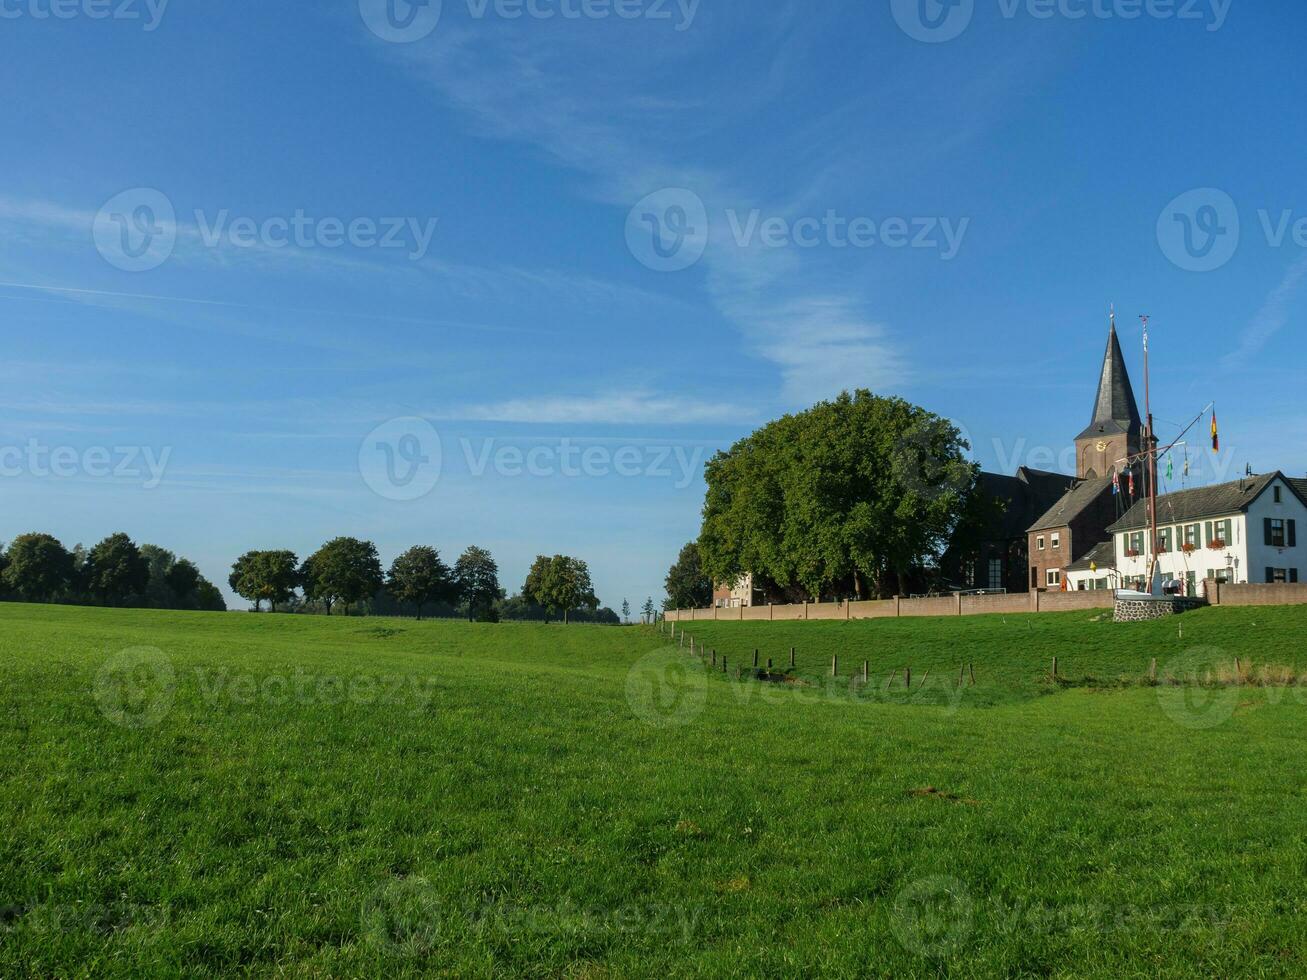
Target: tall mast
x,y
1150,453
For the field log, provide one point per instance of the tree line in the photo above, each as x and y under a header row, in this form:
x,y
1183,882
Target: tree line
x,y
347,574
115,572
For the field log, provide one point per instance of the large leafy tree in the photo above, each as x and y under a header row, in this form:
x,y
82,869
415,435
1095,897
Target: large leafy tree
x,y
688,587
560,584
343,570
116,571
476,579
419,576
847,497
38,568
270,575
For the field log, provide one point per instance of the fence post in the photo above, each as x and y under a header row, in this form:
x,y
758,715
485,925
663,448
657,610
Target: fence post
x,y
805,608
771,610
835,665
1055,668
791,657
898,606
959,603
714,658
907,678
755,658
1152,671
973,674
866,671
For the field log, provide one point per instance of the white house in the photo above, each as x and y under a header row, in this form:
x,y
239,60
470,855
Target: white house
x,y
1245,531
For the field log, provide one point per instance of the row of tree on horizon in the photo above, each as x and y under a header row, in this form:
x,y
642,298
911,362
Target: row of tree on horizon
x,y
115,572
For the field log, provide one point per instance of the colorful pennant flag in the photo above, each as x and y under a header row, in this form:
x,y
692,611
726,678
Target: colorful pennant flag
x,y
1132,484
1170,467
1116,483
1216,434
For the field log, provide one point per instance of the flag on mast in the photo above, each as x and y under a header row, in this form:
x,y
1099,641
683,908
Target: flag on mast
x,y
1170,467
1216,434
1116,483
1132,484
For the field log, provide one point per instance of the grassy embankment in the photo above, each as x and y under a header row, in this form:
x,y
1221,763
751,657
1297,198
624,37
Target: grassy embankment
x,y
187,793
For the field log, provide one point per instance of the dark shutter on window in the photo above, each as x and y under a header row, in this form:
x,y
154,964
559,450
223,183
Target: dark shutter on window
x,y
1270,576
1293,575
1293,534
1268,532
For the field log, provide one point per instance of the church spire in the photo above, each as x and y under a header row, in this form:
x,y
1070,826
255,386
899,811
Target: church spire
x,y
1115,408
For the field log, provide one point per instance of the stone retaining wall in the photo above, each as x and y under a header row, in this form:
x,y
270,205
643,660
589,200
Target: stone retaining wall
x,y
1142,610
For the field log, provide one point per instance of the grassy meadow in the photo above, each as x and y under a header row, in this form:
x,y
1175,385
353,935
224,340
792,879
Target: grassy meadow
x,y
192,794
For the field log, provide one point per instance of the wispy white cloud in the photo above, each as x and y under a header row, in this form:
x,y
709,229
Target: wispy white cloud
x,y
1272,317
523,86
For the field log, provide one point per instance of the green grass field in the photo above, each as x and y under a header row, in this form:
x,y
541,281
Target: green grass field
x,y
189,794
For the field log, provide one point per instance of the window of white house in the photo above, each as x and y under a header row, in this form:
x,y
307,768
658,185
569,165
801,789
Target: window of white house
x,y
1166,539
1191,533
1218,531
1057,541
1134,542
1277,536
1054,577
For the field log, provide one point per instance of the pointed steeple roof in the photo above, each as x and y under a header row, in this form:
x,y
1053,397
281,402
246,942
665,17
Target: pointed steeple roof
x,y
1115,408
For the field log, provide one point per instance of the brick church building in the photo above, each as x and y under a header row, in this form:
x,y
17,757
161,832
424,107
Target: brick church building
x,y
1107,451
1049,521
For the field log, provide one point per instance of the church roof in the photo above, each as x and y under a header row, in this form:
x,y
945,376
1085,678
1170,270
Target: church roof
x,y
1073,503
1115,408
1025,496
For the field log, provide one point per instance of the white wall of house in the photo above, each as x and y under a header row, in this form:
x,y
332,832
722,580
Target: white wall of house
x,y
1243,555
1287,554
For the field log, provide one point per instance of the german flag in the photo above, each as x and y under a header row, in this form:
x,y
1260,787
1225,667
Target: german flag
x,y
1216,434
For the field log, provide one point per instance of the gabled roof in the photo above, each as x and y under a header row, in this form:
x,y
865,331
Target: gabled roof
x,y
1220,500
1115,408
1102,555
1025,496
1073,503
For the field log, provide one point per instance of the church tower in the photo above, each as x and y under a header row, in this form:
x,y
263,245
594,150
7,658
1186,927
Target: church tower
x,y
1116,430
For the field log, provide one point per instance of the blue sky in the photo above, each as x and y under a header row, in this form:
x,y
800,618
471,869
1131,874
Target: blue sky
x,y
937,202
